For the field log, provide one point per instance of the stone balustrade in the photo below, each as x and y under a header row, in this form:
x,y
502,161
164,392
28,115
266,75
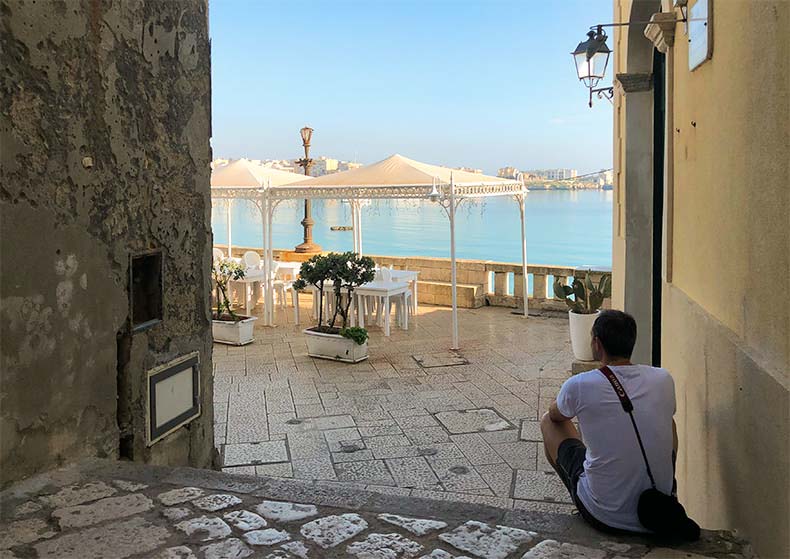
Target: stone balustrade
x,y
480,282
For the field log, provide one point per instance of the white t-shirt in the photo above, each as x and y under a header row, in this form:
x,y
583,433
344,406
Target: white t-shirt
x,y
614,471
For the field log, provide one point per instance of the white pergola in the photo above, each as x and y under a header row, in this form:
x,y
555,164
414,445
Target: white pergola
x,y
243,175
396,177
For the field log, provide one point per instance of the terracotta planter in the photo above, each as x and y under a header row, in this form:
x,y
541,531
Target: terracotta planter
x,y
580,326
334,347
234,332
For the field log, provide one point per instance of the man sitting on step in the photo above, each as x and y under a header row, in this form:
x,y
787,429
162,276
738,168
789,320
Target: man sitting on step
x,y
606,473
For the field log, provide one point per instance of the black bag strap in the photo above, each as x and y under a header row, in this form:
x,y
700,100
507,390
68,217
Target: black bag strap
x,y
628,407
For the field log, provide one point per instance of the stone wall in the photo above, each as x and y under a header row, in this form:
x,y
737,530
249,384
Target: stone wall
x,y
105,153
479,282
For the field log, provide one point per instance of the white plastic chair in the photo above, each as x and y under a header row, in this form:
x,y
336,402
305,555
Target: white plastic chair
x,y
218,254
252,260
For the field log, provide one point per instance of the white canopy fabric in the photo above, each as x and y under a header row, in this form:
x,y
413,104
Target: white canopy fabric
x,y
395,177
246,174
397,170
243,173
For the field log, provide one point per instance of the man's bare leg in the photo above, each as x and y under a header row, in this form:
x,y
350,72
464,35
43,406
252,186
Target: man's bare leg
x,y
554,432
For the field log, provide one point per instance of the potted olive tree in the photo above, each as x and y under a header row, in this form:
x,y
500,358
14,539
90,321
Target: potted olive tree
x,y
331,338
584,299
227,327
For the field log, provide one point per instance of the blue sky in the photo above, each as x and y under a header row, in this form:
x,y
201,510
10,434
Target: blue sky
x,y
479,84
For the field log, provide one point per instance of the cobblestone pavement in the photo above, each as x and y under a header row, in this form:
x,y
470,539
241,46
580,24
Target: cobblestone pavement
x,y
415,419
115,510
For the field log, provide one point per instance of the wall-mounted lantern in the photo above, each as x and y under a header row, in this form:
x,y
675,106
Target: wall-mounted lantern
x,y
591,58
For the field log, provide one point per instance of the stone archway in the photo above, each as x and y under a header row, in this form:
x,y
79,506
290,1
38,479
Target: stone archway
x,y
636,226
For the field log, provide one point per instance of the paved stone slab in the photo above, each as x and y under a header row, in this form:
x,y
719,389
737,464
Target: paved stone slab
x,y
117,540
281,469
417,526
281,511
108,508
129,486
26,508
530,431
175,513
373,472
244,520
269,536
384,546
24,531
458,475
540,486
476,449
334,422
180,495
472,421
413,472
178,552
439,359
442,554
551,549
486,541
213,503
78,494
232,548
330,531
299,549
264,452
206,527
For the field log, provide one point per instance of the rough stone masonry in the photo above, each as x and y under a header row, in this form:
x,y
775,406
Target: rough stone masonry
x,y
105,509
105,121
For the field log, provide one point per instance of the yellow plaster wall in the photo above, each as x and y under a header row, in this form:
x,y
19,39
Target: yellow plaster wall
x,y
732,177
619,58
725,310
725,323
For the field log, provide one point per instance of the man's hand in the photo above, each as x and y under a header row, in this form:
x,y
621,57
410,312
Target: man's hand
x,y
555,415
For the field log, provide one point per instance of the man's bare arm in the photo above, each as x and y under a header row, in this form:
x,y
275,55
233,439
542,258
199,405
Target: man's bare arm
x,y
555,415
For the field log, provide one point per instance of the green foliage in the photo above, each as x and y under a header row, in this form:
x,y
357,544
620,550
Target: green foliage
x,y
223,272
344,272
583,296
359,335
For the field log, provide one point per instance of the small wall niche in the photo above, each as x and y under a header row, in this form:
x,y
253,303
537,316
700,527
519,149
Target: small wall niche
x,y
146,290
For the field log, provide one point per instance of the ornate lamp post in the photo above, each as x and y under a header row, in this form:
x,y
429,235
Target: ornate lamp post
x,y
308,246
591,57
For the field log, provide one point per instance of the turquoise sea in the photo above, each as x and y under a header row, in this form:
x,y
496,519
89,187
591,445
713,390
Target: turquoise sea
x,y
566,228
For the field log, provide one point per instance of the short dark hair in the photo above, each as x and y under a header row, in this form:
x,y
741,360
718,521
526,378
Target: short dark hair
x,y
616,331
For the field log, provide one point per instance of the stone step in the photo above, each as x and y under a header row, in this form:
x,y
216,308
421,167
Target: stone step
x,y
113,509
470,296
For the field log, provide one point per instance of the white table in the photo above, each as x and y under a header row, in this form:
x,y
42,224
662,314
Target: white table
x,y
251,277
407,276
385,290
288,268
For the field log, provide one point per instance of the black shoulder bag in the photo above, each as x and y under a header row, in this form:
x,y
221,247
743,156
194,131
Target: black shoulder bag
x,y
660,513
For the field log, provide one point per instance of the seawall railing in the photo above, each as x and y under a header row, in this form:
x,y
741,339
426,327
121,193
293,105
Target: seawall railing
x,y
480,282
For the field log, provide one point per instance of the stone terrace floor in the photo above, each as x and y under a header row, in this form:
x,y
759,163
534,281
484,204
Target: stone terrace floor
x,y
115,510
414,419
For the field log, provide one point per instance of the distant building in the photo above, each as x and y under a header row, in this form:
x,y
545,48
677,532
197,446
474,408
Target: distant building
x,y
324,166
348,165
470,170
508,172
556,174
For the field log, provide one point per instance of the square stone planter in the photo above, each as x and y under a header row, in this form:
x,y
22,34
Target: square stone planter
x,y
334,347
234,332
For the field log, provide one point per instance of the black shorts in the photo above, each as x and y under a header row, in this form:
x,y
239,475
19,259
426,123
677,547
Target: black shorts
x,y
570,466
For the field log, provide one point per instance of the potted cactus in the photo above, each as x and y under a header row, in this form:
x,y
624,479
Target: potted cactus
x,y
331,338
584,299
227,327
